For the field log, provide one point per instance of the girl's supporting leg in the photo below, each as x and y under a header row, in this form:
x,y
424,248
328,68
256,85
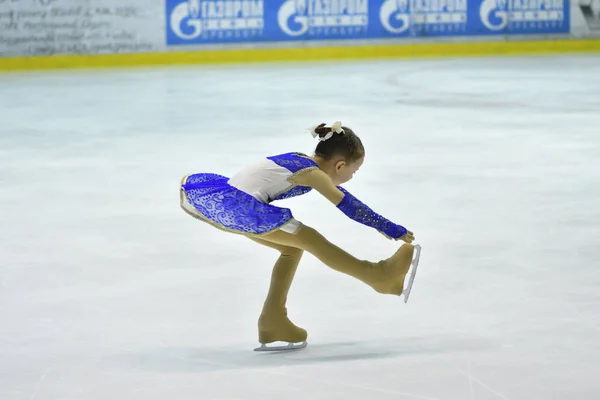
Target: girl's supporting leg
x,y
385,276
273,324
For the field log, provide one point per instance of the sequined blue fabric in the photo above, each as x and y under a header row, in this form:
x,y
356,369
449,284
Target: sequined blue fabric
x,y
293,162
234,210
359,212
295,191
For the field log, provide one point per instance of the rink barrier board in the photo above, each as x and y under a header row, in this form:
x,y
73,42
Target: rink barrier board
x,y
383,51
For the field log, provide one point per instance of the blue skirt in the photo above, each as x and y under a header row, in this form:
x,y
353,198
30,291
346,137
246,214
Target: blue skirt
x,y
210,198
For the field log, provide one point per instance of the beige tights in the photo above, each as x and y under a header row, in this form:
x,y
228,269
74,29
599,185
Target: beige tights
x,y
385,276
273,324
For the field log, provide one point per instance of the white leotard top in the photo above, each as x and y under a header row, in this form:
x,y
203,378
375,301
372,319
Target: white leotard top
x,y
264,180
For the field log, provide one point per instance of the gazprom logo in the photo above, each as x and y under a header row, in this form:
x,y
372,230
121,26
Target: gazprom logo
x,y
497,15
326,17
191,19
434,16
394,15
494,14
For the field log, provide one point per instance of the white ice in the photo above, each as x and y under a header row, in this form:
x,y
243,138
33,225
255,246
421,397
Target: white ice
x,y
108,290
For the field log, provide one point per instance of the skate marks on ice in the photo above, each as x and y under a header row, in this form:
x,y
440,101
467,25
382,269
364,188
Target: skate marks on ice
x,y
513,84
206,359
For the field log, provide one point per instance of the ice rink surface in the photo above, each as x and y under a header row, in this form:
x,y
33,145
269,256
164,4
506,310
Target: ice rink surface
x,y
108,290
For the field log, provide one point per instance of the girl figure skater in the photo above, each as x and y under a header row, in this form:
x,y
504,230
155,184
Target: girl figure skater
x,y
242,205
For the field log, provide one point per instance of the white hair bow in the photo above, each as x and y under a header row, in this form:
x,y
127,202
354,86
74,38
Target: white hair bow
x,y
335,128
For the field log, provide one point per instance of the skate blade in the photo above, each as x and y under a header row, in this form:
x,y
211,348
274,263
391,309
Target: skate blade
x,y
411,280
290,346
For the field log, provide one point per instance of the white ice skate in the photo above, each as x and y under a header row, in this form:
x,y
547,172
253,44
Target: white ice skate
x,y
411,280
289,346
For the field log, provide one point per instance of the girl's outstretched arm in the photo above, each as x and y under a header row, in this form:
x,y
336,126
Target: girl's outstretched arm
x,y
354,208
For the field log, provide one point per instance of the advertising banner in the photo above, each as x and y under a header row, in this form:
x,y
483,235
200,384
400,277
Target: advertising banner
x,y
194,22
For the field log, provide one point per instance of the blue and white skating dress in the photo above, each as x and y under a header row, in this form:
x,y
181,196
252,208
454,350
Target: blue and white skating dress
x,y
241,204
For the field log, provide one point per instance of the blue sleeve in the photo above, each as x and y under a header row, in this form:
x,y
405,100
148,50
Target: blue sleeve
x,y
359,212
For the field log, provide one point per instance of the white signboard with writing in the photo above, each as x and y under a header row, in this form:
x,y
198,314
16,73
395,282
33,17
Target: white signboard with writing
x,y
47,27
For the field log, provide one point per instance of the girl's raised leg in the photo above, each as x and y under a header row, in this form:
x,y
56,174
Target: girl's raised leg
x,y
385,276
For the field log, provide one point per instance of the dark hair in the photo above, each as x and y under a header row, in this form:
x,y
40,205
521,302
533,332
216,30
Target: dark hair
x,y
345,144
